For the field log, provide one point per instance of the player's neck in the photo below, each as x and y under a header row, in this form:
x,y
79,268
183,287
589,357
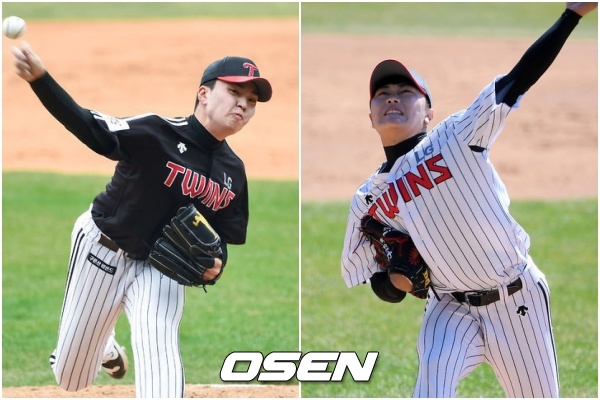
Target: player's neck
x,y
203,135
218,131
393,152
393,137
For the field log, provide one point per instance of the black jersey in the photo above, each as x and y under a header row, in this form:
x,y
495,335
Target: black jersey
x,y
162,164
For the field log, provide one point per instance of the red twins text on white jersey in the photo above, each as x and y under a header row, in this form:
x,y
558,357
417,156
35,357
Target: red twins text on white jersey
x,y
446,194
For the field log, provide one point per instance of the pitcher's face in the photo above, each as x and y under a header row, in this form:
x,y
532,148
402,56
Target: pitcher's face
x,y
227,107
400,109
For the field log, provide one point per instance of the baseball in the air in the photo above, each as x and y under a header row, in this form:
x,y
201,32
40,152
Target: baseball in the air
x,y
13,27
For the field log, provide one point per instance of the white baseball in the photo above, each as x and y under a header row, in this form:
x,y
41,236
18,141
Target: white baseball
x,y
13,27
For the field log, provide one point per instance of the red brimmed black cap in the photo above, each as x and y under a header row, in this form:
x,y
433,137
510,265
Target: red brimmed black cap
x,y
389,70
238,70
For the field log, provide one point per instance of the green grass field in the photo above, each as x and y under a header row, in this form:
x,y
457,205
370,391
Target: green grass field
x,y
405,18
254,307
481,19
564,244
146,10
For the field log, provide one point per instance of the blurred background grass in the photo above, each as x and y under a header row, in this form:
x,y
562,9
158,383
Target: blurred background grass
x,y
146,10
255,307
482,19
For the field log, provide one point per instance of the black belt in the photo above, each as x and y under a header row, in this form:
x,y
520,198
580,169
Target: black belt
x,y
109,244
485,297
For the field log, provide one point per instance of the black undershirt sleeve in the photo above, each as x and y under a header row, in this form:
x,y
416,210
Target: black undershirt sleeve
x,y
536,60
78,120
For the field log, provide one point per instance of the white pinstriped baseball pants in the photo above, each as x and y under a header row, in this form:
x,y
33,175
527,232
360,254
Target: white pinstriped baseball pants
x,y
513,335
101,284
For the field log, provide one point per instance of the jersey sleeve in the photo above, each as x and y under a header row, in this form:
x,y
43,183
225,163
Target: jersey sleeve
x,y
117,128
76,119
100,132
536,60
358,256
481,123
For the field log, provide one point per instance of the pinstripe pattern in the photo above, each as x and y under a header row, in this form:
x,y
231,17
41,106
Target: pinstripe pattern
x,y
447,196
452,203
358,264
154,307
92,304
520,348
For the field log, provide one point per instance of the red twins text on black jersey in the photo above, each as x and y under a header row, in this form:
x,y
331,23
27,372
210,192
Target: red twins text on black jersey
x,y
164,164
198,186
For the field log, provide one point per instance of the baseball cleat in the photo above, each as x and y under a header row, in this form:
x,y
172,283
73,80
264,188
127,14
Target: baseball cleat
x,y
116,362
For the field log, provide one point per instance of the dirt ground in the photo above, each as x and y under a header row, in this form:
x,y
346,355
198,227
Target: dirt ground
x,y
129,68
549,148
126,391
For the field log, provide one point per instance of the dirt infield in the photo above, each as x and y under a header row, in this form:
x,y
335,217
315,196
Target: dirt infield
x,y
548,149
126,391
130,68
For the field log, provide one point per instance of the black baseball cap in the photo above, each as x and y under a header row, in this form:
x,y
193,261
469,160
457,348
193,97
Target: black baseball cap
x,y
238,70
387,71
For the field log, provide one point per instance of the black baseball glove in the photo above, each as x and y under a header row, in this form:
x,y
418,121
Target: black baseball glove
x,y
396,253
188,248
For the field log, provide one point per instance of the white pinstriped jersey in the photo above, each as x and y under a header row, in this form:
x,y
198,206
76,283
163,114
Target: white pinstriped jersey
x,y
447,196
